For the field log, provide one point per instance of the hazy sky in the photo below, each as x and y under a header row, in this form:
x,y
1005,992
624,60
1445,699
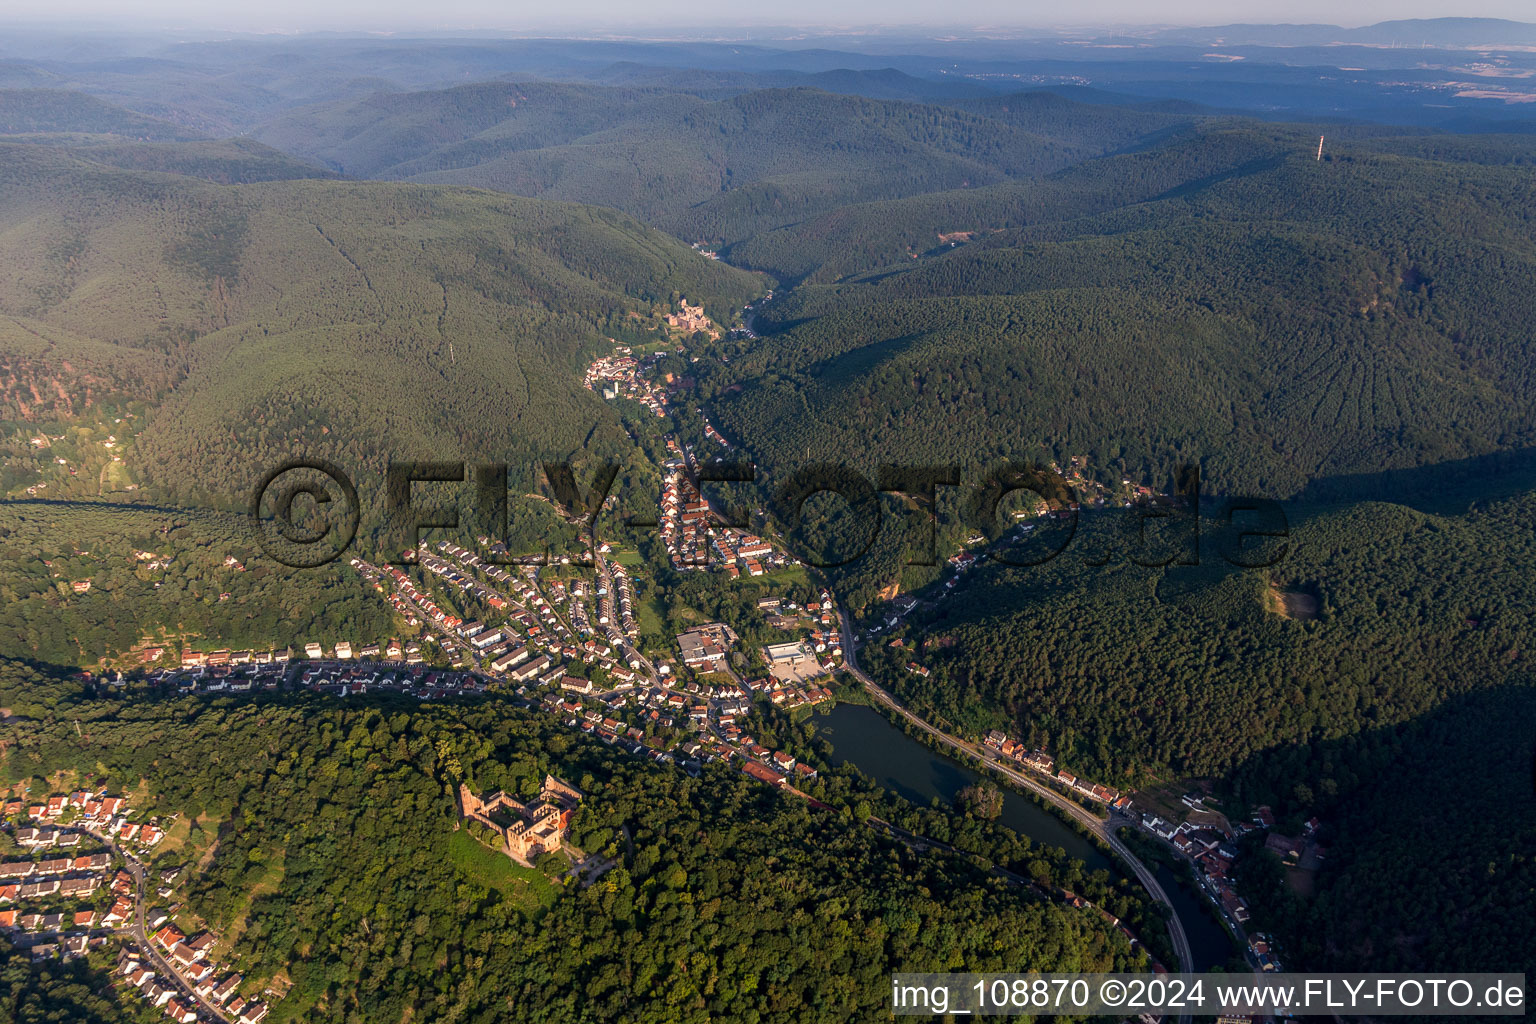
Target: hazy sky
x,y
678,16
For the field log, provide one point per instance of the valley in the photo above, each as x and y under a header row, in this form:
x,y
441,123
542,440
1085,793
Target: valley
x,y
901,504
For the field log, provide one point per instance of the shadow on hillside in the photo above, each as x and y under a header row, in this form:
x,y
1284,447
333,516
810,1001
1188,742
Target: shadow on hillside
x,y
1441,487
1419,817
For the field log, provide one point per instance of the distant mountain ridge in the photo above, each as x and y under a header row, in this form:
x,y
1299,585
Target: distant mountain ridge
x,y
718,170
360,321
32,111
1403,32
225,87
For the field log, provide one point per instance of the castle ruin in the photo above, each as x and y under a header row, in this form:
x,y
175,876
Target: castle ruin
x,y
526,830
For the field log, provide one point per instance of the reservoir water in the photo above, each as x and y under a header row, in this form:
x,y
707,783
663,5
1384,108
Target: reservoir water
x,y
865,738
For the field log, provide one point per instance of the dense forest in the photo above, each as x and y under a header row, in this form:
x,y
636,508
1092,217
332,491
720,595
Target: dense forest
x,y
221,161
63,992
1300,320
1374,614
164,576
719,170
1377,676
1430,859
356,323
338,859
1229,302
30,112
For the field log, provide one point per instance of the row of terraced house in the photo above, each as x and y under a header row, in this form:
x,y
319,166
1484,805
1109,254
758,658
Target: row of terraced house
x,y
1039,761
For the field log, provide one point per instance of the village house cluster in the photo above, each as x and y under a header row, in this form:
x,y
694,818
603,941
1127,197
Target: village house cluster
x,y
712,714
694,540
405,589
685,519
711,433
83,810
1039,761
745,554
1208,841
338,678
225,658
176,963
976,547
790,695
636,720
274,662
474,644
345,680
47,904
621,375
530,643
66,877
618,604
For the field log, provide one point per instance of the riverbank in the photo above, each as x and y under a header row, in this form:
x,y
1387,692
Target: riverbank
x,y
909,766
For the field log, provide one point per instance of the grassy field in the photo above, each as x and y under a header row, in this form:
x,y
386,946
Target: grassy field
x,y
652,620
789,575
528,888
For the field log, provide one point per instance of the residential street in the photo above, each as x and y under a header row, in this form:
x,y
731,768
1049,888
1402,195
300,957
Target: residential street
x,y
141,936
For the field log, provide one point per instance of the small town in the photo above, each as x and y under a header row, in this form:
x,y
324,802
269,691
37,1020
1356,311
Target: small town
x,y
572,635
567,640
96,896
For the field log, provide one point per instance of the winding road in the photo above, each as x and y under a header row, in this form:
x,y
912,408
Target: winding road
x,y
1100,827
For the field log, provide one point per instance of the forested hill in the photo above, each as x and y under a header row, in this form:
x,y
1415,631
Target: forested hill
x,y
1377,676
222,161
1183,160
1100,126
32,111
323,838
1199,669
1277,318
351,321
717,170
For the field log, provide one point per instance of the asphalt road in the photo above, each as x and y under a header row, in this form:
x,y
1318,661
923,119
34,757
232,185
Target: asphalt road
x,y
162,966
1102,828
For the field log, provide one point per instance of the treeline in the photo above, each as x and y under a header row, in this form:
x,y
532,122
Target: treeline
x,y
729,899
1376,615
161,574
